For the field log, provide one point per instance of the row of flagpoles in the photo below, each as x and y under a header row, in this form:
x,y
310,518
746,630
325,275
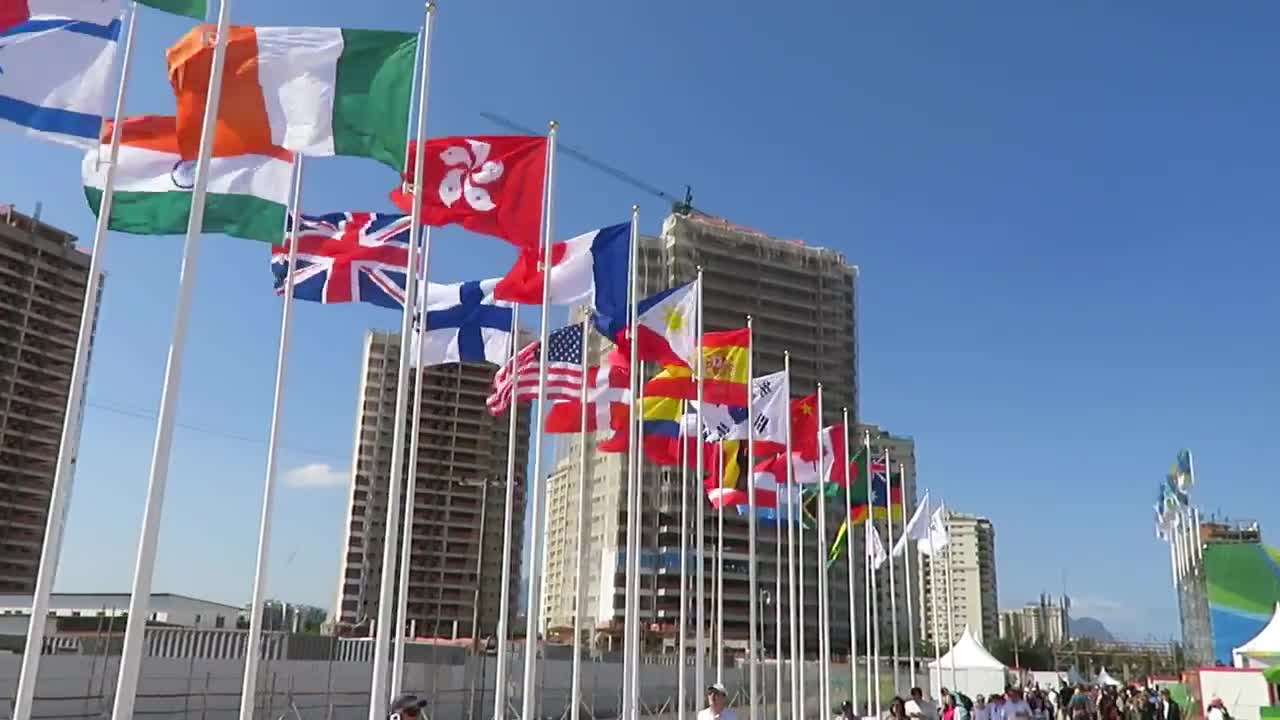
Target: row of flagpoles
x,y
689,349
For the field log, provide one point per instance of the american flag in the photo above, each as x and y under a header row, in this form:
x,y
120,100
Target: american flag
x,y
520,375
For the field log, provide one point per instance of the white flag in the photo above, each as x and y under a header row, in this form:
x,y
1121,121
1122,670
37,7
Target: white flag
x,y
876,554
917,528
771,400
938,538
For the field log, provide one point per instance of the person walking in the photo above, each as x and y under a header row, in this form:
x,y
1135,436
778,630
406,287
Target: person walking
x,y
717,704
1168,709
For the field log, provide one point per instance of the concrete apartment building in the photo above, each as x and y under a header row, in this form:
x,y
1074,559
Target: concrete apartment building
x,y
803,300
1042,621
972,557
456,574
43,277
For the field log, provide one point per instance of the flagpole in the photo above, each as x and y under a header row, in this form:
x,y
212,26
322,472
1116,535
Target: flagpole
x,y
634,529
911,622
69,446
580,587
792,610
824,659
848,539
753,596
873,692
253,650
875,613
800,609
777,564
700,639
933,597
508,532
635,431
951,611
410,493
533,587
411,490
378,684
892,582
720,643
683,634
140,592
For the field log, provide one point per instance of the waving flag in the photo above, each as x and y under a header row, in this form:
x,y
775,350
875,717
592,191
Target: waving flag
x,y
313,91
248,195
197,9
463,324
488,184
725,373
883,503
917,527
725,422
519,377
667,326
592,265
348,257
56,58
937,538
770,477
804,427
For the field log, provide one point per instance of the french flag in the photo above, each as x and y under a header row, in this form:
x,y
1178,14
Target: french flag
x,y
593,264
56,58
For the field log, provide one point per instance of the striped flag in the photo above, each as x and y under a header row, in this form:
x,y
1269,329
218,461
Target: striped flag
x,y
519,377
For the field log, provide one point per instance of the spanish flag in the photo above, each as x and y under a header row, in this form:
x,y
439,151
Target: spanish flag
x,y
724,358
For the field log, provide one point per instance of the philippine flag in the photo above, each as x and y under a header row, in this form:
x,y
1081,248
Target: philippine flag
x,y
56,58
593,264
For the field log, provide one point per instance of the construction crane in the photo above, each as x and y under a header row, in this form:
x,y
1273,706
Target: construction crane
x,y
679,206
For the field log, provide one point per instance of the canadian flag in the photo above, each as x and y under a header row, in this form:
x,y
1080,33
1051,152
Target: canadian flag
x,y
489,184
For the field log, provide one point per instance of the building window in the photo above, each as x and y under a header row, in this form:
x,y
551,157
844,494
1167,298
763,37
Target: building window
x,y
197,622
219,622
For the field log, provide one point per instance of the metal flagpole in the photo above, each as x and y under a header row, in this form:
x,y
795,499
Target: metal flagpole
x,y
504,603
893,587
533,589
911,620
69,446
386,626
402,626
875,615
579,586
140,593
777,566
800,609
683,634
793,612
406,544
637,567
849,559
253,649
873,692
635,419
824,619
951,611
934,592
720,643
700,614
753,595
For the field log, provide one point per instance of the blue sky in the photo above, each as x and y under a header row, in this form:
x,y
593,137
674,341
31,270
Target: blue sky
x,y
1064,214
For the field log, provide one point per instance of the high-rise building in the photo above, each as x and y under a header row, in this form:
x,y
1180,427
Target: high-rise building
x,y
43,277
455,576
971,558
1039,622
803,300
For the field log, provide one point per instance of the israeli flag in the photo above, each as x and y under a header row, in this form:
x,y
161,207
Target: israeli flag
x,y
463,324
56,58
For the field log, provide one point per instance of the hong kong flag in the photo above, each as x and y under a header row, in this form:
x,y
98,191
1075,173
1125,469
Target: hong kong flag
x,y
489,184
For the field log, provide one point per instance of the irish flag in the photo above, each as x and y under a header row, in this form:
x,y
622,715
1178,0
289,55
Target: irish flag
x,y
314,91
248,194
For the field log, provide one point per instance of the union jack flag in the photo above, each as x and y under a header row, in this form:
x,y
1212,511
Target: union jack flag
x,y
348,257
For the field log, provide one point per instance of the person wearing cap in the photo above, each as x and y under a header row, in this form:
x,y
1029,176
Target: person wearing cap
x,y
717,704
406,707
1217,710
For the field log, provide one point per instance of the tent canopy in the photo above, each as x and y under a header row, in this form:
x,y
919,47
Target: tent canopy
x,y
1266,642
1105,679
968,653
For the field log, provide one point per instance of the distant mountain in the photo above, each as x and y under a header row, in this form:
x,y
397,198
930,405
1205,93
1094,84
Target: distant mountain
x,y
1092,628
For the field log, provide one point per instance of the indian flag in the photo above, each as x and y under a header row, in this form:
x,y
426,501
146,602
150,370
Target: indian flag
x,y
248,195
314,91
191,8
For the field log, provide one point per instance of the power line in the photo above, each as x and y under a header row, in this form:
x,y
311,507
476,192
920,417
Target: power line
x,y
140,414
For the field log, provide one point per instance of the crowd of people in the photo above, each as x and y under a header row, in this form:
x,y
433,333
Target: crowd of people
x,y
1067,702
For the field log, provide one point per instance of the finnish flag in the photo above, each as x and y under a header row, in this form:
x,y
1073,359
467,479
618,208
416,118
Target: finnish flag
x,y
56,58
463,324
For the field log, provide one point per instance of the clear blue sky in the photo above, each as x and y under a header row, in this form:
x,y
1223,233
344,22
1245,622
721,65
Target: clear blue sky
x,y
1065,216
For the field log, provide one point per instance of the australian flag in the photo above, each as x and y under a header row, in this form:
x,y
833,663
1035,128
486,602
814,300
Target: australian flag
x,y
348,257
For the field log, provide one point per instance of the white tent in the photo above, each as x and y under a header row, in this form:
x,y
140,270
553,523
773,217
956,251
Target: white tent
x,y
977,672
1105,679
1263,650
